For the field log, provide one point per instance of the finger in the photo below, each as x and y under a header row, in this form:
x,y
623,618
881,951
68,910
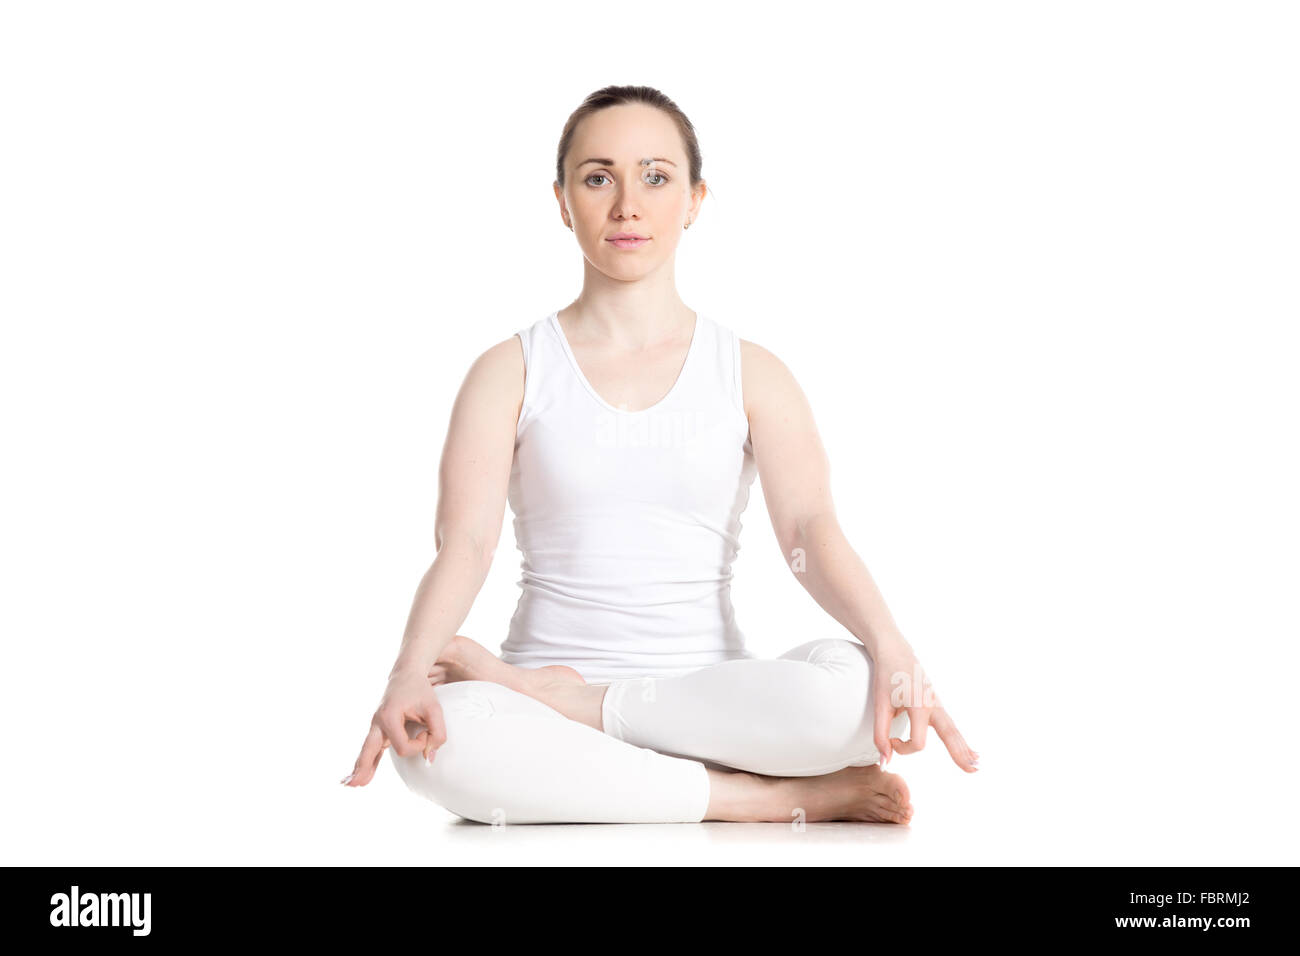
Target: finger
x,y
365,767
436,735
884,717
960,751
369,771
918,718
395,730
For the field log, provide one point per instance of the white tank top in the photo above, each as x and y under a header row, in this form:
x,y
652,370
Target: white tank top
x,y
628,521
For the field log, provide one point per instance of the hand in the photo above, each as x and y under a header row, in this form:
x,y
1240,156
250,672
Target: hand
x,y
901,684
409,696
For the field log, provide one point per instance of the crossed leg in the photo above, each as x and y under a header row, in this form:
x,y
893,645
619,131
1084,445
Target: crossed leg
x,y
752,740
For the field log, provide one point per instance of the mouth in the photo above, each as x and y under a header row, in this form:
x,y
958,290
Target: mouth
x,y
628,240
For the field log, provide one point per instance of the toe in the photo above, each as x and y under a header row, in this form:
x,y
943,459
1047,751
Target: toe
x,y
898,789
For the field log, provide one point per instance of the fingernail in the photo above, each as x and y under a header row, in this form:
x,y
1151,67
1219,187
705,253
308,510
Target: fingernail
x,y
428,759
348,778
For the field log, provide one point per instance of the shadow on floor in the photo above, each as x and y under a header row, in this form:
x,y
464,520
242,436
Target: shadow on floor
x,y
717,833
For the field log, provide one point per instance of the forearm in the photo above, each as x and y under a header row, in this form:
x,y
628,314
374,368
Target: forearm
x,y
830,570
442,602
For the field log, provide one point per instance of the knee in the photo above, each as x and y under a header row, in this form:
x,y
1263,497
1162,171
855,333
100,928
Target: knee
x,y
845,708
859,684
848,664
827,689
458,779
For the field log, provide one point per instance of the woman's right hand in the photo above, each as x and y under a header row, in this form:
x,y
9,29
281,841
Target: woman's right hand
x,y
408,696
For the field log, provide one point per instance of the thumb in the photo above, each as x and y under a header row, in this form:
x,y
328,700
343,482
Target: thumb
x,y
884,717
435,733
426,747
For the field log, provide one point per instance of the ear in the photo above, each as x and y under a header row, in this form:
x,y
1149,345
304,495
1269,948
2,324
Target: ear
x,y
559,197
697,197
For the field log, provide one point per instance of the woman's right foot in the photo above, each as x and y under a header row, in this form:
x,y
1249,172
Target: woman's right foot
x,y
865,794
862,794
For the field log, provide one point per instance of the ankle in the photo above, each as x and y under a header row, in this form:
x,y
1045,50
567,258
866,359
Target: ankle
x,y
744,797
451,655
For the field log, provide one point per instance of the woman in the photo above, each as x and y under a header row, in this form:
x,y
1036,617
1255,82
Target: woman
x,y
626,430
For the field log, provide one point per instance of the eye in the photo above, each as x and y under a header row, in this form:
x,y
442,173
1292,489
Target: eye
x,y
650,174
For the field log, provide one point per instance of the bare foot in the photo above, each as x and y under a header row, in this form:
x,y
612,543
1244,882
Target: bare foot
x,y
465,659
557,686
863,794
866,794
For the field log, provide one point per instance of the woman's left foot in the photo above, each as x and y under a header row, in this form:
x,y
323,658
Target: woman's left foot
x,y
559,687
464,659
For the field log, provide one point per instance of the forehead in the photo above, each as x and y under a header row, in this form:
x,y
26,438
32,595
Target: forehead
x,y
627,133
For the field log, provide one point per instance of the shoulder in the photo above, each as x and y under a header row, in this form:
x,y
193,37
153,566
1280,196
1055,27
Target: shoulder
x,y
500,361
765,379
497,374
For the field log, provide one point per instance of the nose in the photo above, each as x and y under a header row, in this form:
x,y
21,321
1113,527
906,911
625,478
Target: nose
x,y
624,206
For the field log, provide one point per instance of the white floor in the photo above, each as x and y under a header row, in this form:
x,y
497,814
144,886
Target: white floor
x,y
1127,808
1142,745
1001,815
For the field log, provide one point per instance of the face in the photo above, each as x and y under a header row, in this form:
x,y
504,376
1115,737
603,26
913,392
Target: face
x,y
626,172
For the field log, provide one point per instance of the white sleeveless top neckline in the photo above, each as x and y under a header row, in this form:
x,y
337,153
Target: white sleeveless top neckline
x,y
628,522
554,319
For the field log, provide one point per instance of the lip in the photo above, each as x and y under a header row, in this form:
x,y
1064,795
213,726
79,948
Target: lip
x,y
627,240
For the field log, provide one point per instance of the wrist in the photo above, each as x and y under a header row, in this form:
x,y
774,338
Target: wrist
x,y
404,669
889,642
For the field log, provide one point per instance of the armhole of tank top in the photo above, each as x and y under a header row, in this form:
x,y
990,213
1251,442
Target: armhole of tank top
x,y
737,391
526,406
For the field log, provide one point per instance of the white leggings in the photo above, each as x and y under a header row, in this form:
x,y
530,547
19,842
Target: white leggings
x,y
511,759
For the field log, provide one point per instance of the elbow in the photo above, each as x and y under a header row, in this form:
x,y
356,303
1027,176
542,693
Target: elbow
x,y
799,533
797,528
467,545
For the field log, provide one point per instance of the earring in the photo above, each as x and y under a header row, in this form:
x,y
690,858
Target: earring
x,y
688,224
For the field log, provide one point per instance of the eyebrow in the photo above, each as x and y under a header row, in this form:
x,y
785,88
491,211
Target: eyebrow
x,y
610,162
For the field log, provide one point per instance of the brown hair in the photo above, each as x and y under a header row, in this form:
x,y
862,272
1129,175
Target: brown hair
x,y
616,95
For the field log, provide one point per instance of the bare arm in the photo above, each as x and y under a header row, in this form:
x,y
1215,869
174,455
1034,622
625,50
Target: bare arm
x,y
472,481
795,473
472,484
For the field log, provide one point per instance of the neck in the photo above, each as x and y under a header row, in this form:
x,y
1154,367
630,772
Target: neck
x,y
631,323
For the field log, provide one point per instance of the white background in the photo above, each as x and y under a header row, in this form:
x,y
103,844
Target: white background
x,y
1034,264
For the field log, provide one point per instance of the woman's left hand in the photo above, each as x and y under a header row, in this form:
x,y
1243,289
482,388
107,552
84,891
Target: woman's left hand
x,y
901,684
